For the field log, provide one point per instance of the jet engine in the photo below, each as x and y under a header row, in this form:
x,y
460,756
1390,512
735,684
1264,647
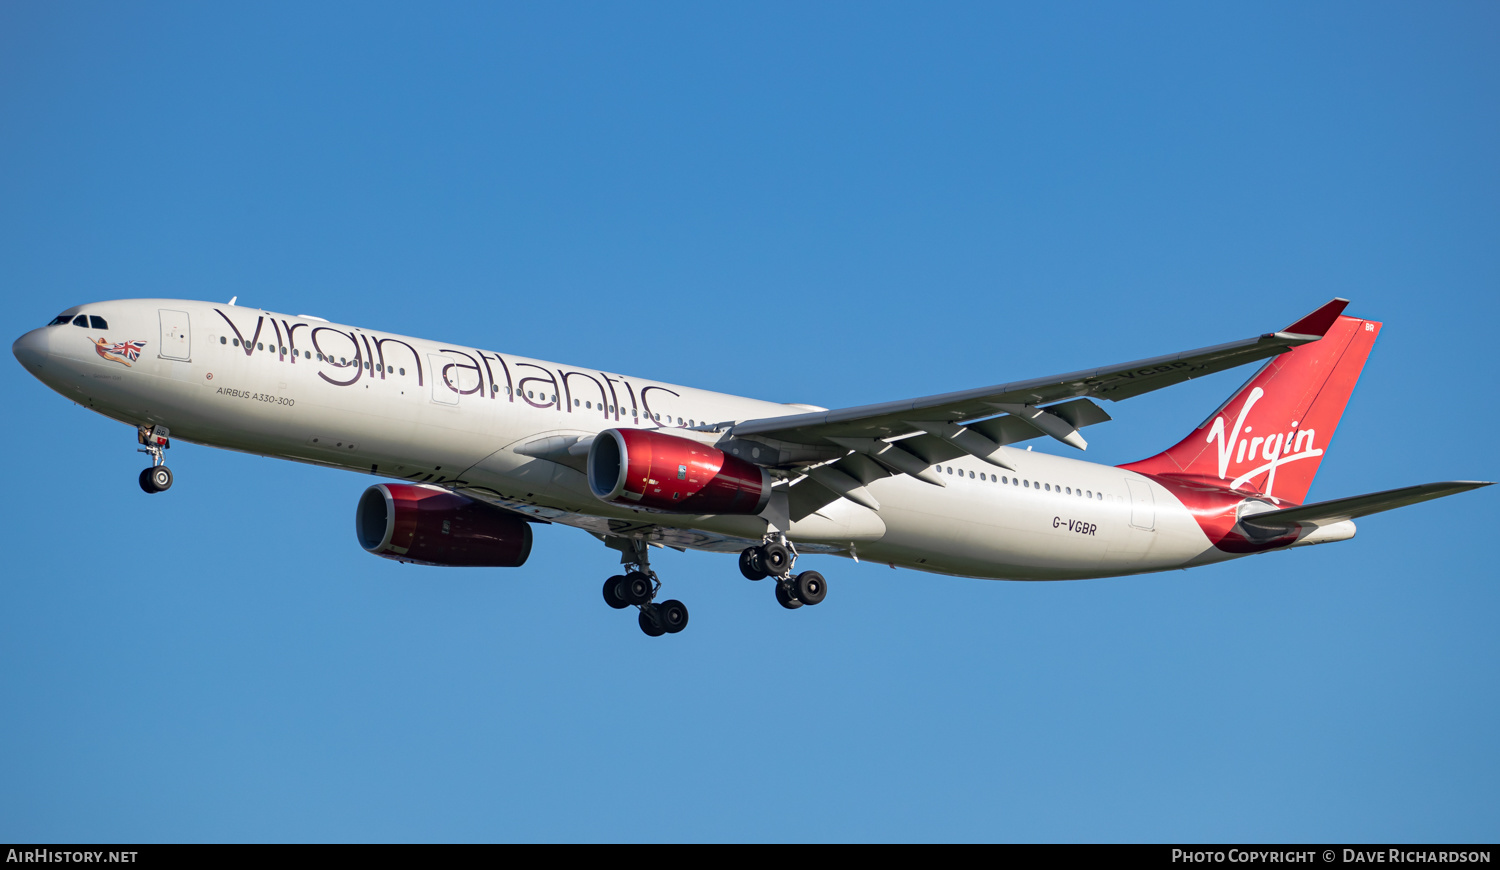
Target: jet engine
x,y
646,469
435,527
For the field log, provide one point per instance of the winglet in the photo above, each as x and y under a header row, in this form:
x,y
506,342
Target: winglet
x,y
1319,322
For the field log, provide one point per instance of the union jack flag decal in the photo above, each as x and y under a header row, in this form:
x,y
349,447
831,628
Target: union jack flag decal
x,y
128,351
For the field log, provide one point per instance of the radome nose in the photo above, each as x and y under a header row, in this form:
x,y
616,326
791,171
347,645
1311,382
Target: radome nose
x,y
31,349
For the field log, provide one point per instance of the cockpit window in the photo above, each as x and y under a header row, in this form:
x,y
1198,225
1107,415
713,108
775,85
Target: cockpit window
x,y
81,320
97,322
60,319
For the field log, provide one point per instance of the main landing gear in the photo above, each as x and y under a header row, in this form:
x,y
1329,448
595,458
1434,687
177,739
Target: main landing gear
x,y
775,558
157,478
638,587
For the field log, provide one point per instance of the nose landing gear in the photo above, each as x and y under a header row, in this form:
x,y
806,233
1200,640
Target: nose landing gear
x,y
157,478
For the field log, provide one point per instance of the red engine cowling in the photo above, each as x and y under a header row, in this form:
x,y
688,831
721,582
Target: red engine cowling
x,y
646,469
436,527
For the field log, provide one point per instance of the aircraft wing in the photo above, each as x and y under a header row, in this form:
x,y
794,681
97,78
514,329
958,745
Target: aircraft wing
x,y
1116,382
842,451
1339,509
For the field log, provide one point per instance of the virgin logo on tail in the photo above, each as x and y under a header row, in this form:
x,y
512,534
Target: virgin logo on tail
x,y
1276,450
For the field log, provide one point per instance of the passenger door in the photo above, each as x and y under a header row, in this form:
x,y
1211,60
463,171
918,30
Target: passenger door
x,y
1142,505
176,340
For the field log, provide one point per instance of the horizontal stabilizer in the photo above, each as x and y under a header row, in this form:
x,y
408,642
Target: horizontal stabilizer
x,y
1360,505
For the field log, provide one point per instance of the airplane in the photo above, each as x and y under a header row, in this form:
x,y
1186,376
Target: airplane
x,y
477,445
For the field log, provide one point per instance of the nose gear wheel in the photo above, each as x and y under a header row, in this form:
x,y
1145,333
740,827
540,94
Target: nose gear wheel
x,y
157,478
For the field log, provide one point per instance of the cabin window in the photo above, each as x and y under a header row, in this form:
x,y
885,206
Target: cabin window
x,y
223,340
529,395
1028,484
81,320
576,403
403,371
971,475
1090,493
260,345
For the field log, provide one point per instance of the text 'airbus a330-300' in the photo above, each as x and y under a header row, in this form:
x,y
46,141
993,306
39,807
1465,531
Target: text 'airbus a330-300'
x,y
479,444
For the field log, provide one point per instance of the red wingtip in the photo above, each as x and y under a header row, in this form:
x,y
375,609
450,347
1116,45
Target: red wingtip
x,y
1320,321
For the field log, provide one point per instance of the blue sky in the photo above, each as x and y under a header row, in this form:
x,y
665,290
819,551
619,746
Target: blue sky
x,y
825,203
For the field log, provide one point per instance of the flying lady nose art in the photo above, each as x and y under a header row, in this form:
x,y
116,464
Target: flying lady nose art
x,y
124,352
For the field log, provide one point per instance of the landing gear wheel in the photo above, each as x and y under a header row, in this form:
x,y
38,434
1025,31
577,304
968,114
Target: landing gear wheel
x,y
612,595
810,587
673,615
650,626
750,564
775,558
158,478
637,588
785,599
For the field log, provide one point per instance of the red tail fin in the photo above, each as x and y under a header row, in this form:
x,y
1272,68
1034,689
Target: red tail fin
x,y
1270,436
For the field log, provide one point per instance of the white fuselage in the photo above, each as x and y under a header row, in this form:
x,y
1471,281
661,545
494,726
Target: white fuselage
x,y
425,411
